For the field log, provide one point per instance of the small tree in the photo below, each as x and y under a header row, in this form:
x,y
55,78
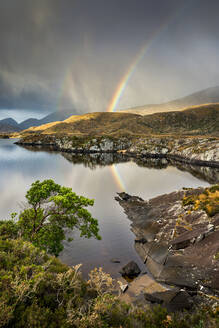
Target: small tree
x,y
51,209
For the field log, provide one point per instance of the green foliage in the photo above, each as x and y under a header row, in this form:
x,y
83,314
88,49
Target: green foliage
x,y
214,188
8,229
216,257
35,288
51,209
188,201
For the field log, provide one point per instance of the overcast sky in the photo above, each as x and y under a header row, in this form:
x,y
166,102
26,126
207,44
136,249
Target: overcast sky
x,y
72,54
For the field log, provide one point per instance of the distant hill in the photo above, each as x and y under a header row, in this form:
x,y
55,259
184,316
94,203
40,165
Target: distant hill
x,y
196,120
9,125
57,116
9,121
210,95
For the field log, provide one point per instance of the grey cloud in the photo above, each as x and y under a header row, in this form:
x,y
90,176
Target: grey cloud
x,y
72,54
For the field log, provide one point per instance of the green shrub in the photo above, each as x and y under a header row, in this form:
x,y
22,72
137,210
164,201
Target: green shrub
x,y
207,201
51,209
214,188
188,201
8,229
37,290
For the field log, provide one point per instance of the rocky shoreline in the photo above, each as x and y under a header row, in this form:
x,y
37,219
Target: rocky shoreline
x,y
97,159
177,237
189,150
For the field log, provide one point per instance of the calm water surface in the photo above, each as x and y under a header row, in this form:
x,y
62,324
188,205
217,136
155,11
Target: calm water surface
x,y
20,167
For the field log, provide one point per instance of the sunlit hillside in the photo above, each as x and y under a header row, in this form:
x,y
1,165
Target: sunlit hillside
x,y
196,120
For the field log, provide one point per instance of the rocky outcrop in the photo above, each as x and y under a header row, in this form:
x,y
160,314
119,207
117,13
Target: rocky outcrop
x,y
191,150
177,237
188,150
145,290
173,300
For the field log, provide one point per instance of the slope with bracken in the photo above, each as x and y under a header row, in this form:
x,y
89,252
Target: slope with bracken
x,y
196,120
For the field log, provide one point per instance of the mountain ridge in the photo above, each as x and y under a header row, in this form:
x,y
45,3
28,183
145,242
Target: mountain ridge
x,y
9,125
205,96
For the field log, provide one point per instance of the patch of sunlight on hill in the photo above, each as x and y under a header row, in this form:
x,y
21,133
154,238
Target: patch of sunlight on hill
x,y
42,127
194,120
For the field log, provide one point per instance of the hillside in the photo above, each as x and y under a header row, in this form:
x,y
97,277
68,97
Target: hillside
x,y
202,120
9,125
207,96
198,120
93,123
210,95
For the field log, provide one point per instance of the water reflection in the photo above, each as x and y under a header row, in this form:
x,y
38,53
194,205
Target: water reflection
x,y
96,160
94,177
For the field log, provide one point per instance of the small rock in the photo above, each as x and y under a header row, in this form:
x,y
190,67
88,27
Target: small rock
x,y
124,287
153,299
125,196
203,289
130,270
115,261
141,241
94,148
173,300
181,301
200,238
210,228
164,151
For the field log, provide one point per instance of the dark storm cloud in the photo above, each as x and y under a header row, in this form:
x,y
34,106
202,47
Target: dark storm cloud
x,y
72,54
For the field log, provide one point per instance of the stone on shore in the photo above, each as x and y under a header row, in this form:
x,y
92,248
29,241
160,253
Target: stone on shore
x,y
130,270
138,287
173,299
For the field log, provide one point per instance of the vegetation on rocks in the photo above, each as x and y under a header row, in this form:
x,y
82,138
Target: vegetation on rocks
x,y
207,201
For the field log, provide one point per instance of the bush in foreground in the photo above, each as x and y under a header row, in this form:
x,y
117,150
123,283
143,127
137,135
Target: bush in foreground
x,y
37,290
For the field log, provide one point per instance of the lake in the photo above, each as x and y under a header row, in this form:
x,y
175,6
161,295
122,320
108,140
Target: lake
x,y
19,167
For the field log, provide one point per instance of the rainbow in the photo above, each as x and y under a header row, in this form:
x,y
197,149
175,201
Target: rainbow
x,y
125,79
141,53
117,177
